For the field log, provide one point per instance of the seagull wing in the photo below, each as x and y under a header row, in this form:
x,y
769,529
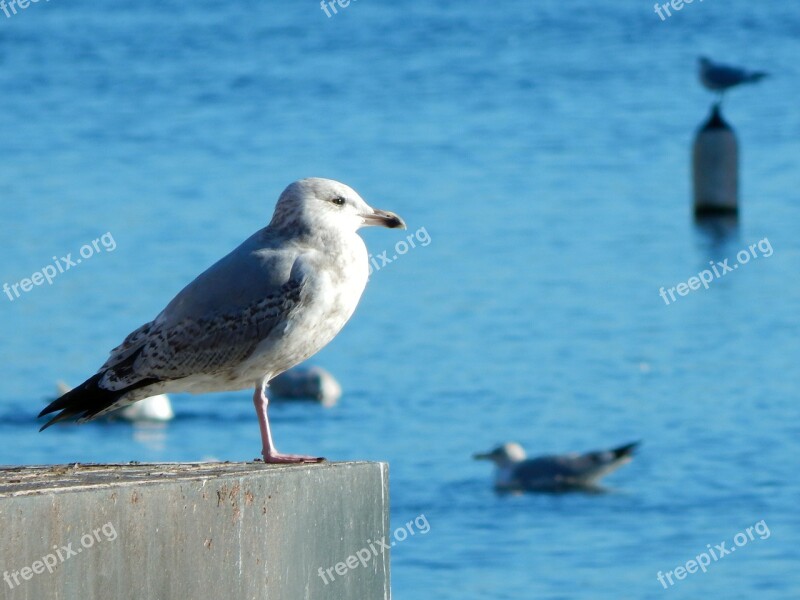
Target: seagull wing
x,y
572,469
216,321
204,344
543,471
210,327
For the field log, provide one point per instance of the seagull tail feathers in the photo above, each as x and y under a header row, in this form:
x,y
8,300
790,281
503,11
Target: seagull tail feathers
x,y
87,400
626,450
757,76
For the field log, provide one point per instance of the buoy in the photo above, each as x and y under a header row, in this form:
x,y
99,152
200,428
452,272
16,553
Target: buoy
x,y
715,168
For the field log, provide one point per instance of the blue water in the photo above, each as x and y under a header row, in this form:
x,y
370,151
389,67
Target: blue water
x,y
544,148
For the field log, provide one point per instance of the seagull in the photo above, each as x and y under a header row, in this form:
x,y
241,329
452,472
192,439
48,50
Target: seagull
x,y
719,78
553,472
271,303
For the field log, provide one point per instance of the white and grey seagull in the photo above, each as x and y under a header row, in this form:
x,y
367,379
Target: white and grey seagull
x,y
559,472
271,303
719,78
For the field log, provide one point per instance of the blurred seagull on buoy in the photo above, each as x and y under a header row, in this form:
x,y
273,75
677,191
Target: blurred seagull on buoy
x,y
153,409
553,473
719,78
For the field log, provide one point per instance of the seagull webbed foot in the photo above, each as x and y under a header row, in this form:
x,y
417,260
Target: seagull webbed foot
x,y
274,457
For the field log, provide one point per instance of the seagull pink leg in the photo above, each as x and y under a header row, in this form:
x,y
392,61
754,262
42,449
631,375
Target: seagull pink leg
x,y
268,451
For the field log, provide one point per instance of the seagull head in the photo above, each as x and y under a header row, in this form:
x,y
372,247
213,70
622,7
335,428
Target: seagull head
x,y
324,204
506,454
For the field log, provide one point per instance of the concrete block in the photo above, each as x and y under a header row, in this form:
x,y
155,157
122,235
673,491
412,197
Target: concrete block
x,y
198,530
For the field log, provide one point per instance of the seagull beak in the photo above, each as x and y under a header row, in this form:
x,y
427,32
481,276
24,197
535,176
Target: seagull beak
x,y
384,218
480,456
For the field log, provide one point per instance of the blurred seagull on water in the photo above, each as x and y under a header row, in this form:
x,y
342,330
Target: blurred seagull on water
x,y
553,473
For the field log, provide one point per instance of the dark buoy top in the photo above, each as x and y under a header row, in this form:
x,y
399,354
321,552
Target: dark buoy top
x,y
715,121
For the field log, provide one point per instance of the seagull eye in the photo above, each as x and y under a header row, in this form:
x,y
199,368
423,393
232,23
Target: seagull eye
x,y
338,201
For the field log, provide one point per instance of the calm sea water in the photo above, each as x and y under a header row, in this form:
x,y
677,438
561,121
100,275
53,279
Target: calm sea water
x,y
544,147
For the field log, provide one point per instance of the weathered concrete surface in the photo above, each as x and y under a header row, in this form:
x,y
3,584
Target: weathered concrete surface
x,y
210,530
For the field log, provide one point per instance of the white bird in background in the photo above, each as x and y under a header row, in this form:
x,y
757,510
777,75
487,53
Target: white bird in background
x,y
271,303
515,472
719,78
